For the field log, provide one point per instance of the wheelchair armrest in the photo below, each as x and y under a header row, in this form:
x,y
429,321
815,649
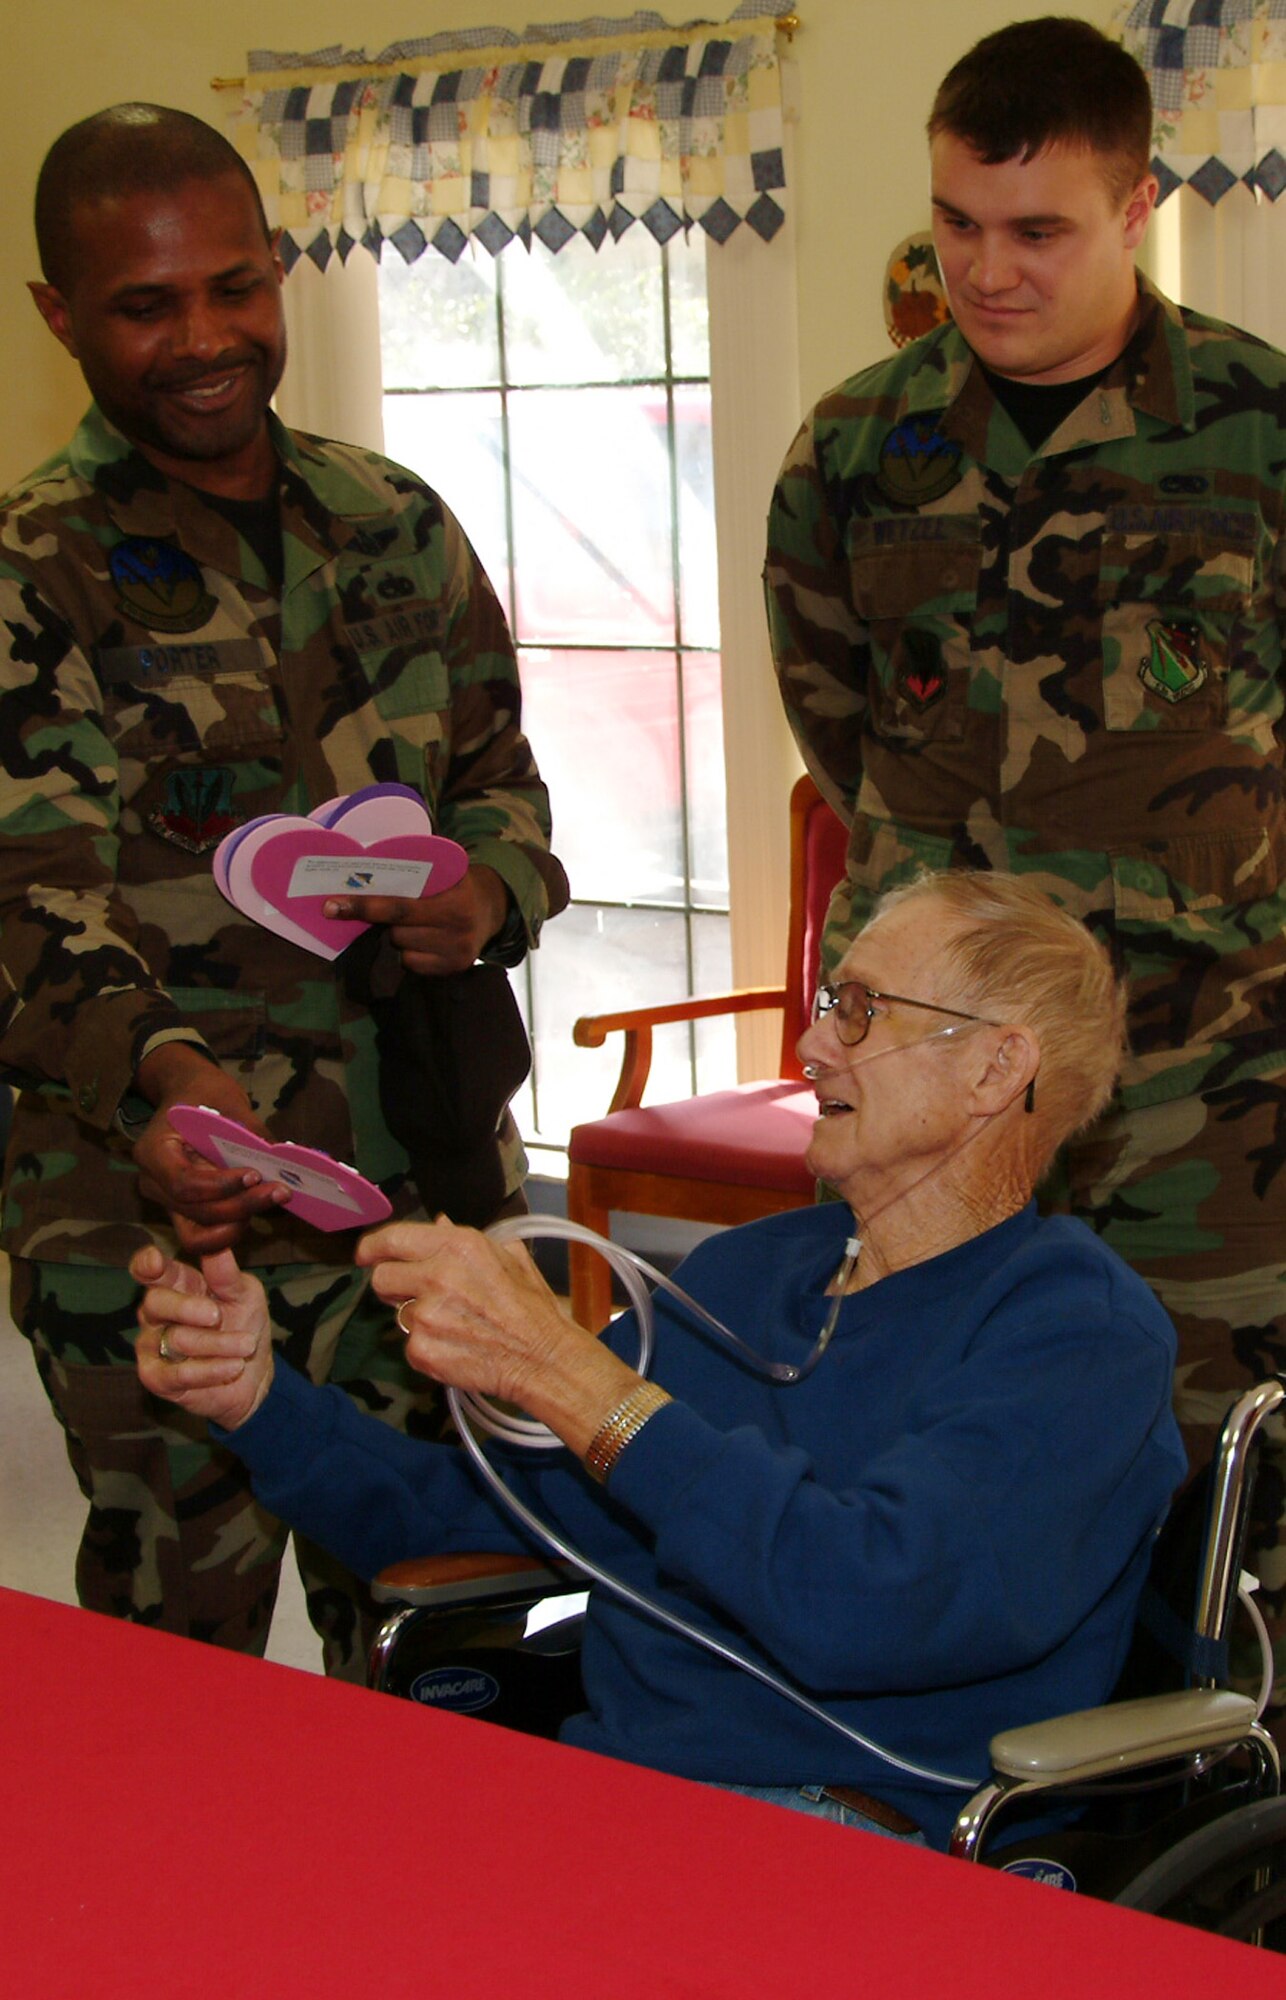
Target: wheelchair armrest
x,y
1099,1743
1094,1742
469,1579
637,1023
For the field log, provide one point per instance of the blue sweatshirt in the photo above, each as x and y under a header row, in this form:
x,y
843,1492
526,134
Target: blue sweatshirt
x,y
939,1533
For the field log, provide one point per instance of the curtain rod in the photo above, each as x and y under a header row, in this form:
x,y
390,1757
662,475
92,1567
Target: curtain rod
x,y
465,58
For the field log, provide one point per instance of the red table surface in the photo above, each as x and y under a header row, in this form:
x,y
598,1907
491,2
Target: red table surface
x,y
180,1821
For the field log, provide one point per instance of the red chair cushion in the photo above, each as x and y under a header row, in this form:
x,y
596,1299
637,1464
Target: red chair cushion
x,y
750,1136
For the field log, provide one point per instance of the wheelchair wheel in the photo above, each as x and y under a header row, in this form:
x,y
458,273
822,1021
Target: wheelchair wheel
x,y
1228,1877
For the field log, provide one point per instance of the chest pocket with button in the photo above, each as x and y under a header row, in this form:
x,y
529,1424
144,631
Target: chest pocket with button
x,y
917,601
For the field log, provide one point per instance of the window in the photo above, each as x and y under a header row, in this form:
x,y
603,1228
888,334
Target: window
x,y
561,405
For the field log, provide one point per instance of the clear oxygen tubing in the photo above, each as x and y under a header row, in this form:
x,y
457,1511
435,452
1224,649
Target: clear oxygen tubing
x,y
502,1422
1246,1589
469,1410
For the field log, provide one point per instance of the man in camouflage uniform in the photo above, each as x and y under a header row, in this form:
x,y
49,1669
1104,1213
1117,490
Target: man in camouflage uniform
x,y
1026,586
208,618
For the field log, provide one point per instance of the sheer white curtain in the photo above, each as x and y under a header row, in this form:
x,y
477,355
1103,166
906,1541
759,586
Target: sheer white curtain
x,y
1228,260
1217,73
332,383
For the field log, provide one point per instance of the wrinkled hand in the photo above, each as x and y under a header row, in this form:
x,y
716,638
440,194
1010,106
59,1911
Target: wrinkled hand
x,y
209,1205
479,1316
218,1359
435,934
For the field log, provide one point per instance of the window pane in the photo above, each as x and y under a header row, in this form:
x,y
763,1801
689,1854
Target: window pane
x,y
438,321
594,961
698,558
707,791
712,973
605,730
522,1104
456,444
591,505
613,558
689,318
584,315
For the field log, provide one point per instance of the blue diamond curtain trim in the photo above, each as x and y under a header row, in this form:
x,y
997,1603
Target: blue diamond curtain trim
x,y
1217,69
586,128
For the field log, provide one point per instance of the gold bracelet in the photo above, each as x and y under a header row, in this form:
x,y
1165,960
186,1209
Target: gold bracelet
x,y
624,1423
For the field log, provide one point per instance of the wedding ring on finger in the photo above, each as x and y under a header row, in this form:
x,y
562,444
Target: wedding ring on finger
x,y
407,1330
163,1349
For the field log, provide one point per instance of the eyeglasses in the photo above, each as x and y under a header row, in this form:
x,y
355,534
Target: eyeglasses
x,y
851,1005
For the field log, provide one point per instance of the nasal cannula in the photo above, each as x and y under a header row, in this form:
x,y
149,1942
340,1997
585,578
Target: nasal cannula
x,y
472,1412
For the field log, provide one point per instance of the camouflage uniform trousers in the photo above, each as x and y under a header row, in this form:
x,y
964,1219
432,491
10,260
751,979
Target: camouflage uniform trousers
x,y
1192,1194
174,1536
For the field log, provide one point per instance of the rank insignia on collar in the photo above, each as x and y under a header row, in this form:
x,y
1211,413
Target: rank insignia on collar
x,y
197,810
918,462
158,585
1173,668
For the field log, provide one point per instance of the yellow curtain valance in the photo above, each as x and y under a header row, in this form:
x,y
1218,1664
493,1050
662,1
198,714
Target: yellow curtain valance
x,y
1217,69
583,127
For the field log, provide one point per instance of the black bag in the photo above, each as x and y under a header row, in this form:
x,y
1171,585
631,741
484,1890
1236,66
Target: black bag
x,y
452,1052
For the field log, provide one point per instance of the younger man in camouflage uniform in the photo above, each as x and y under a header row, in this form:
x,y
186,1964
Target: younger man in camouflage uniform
x,y
1026,589
208,618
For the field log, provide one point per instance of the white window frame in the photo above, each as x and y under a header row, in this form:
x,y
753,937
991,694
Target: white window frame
x,y
332,386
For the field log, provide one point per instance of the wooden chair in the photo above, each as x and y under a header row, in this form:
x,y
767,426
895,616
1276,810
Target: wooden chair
x,y
732,1155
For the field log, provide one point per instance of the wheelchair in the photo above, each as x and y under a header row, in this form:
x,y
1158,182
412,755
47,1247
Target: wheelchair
x,y
1166,1801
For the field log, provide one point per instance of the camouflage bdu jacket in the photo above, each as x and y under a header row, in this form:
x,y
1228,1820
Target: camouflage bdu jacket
x,y
156,690
1066,664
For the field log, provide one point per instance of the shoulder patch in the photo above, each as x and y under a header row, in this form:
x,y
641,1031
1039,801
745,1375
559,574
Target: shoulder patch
x,y
1173,668
196,812
918,461
158,585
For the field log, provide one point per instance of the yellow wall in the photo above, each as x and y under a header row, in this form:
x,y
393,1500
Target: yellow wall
x,y
865,74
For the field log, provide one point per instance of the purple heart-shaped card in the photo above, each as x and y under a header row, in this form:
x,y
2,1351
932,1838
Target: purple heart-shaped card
x,y
380,812
326,811
324,1192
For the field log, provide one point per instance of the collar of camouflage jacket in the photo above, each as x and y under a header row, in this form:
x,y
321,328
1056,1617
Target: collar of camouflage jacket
x,y
1151,377
325,501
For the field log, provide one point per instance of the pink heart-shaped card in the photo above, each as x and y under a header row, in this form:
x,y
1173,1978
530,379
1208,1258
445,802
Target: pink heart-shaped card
x,y
324,1192
299,865
235,881
224,851
373,813
281,869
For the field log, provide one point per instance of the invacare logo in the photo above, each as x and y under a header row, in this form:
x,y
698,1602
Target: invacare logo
x,y
462,1689
1037,1869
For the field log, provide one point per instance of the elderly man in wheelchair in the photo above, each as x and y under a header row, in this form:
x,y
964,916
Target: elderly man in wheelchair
x,y
887,1481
